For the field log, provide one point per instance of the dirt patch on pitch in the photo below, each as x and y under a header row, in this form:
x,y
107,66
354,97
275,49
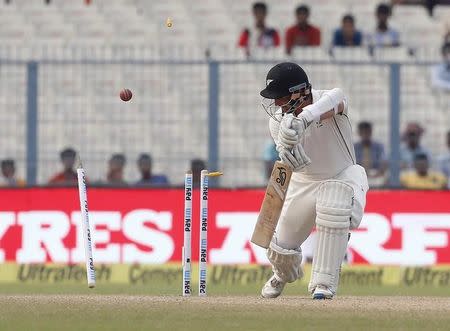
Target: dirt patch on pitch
x,y
354,304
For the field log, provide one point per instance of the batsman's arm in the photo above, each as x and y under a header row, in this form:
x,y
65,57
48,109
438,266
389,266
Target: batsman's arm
x,y
330,103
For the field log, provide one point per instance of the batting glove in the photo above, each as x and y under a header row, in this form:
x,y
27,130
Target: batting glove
x,y
297,159
291,130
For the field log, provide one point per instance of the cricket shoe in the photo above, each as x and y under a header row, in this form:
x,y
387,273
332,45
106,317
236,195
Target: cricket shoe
x,y
322,292
272,288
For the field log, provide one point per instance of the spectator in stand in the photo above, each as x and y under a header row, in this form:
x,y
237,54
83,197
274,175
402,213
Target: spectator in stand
x,y
260,36
9,175
412,146
370,155
68,177
422,178
440,74
444,160
384,36
115,172
270,156
148,178
302,33
347,35
197,165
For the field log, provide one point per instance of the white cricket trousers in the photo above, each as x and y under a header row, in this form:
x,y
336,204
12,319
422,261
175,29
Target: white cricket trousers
x,y
299,210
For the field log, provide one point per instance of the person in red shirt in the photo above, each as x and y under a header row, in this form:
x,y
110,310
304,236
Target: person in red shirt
x,y
68,177
302,33
261,35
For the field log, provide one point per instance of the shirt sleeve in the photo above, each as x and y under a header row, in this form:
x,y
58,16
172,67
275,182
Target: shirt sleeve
x,y
55,179
276,38
289,40
274,127
429,155
380,156
164,180
324,102
395,38
243,38
444,165
345,101
315,37
382,153
358,38
336,41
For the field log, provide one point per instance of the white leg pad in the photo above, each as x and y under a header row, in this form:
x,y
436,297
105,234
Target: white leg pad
x,y
286,263
334,209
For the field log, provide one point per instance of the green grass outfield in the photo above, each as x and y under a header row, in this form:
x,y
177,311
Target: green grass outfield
x,y
217,290
156,306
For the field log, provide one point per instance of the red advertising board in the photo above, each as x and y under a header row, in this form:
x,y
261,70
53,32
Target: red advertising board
x,y
146,226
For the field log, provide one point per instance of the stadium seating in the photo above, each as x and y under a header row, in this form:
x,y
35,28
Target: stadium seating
x,y
172,100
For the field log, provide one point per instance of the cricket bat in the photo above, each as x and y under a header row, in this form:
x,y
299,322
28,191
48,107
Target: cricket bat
x,y
272,204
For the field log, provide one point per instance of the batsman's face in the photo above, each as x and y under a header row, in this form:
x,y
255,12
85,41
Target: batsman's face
x,y
276,107
283,102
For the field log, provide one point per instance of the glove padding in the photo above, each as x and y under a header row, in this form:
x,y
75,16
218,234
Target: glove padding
x,y
296,160
291,130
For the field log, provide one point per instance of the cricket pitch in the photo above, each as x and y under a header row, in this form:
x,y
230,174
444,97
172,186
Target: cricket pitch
x,y
147,312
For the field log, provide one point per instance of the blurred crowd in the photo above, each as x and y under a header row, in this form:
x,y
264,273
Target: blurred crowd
x,y
116,164
419,169
303,33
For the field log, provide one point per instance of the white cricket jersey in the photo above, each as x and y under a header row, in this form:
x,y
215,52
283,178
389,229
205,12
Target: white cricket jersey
x,y
328,143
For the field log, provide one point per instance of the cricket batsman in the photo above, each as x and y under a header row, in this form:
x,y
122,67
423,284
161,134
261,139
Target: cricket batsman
x,y
313,135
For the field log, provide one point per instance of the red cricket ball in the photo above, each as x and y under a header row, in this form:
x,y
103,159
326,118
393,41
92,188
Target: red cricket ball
x,y
126,94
